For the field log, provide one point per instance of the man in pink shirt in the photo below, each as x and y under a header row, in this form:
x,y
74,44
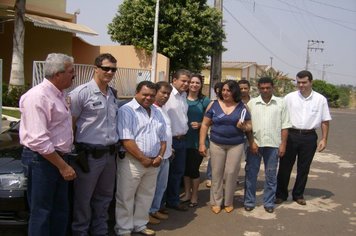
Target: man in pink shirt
x,y
46,134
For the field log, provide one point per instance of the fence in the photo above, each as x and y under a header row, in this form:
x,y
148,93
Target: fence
x,y
124,81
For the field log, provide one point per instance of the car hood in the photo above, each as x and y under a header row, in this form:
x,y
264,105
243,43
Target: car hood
x,y
9,165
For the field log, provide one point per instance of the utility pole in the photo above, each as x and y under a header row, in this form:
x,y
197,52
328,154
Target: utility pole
x,y
154,52
324,68
271,58
216,58
313,45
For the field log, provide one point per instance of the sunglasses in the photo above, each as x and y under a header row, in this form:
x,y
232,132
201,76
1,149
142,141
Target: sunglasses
x,y
107,68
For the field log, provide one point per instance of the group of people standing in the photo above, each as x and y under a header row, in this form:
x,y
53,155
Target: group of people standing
x,y
141,151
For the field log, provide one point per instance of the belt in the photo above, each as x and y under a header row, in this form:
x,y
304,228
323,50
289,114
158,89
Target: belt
x,y
179,137
301,131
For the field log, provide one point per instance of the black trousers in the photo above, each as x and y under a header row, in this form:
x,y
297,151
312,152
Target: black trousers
x,y
303,146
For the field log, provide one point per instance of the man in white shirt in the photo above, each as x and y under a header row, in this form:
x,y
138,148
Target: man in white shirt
x,y
164,90
308,111
177,109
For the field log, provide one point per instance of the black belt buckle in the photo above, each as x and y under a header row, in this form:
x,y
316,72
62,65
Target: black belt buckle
x,y
179,137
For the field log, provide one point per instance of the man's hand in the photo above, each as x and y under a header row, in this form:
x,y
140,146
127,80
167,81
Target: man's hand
x,y
282,150
146,162
322,145
68,173
254,148
157,161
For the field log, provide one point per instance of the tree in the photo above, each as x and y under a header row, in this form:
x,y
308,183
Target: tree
x,y
282,83
188,32
17,77
328,90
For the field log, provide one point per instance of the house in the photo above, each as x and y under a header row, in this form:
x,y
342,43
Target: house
x,y
237,71
48,28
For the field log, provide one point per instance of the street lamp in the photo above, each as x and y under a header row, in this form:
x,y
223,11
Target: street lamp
x,y
154,52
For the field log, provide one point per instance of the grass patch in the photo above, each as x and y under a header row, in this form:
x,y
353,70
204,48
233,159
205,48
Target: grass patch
x,y
12,113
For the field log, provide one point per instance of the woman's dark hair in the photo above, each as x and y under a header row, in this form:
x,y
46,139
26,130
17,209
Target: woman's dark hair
x,y
234,88
217,87
200,93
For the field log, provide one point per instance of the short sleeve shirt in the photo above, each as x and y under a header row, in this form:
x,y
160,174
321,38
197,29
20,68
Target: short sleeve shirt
x,y
95,113
224,127
307,113
147,131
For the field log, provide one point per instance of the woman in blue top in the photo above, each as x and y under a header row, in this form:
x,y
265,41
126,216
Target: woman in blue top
x,y
229,120
197,104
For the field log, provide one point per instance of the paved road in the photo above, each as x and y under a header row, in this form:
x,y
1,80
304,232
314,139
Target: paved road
x,y
330,195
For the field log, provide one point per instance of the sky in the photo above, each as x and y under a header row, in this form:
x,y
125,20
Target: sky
x,y
276,32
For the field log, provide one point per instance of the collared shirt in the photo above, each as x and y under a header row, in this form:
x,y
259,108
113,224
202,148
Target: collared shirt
x,y
147,131
46,123
307,113
177,109
95,113
168,152
268,119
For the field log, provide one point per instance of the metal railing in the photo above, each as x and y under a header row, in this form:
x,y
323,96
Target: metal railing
x,y
124,81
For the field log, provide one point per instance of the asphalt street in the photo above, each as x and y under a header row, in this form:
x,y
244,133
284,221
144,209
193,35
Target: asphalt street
x,y
330,196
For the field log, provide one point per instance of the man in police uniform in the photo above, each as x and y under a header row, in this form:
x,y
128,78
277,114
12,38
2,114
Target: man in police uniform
x,y
94,109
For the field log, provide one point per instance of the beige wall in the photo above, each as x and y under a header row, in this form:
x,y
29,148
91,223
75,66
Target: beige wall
x,y
127,56
52,8
38,43
226,73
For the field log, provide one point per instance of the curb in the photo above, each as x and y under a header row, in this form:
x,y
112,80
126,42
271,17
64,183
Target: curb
x,y
10,118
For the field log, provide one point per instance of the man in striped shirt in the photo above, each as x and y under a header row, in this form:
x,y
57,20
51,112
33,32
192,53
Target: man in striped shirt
x,y
142,131
270,123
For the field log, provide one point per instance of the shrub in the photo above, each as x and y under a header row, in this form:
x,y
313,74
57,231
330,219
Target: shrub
x,y
12,98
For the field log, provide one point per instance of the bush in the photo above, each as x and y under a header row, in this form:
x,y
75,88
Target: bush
x,y
12,98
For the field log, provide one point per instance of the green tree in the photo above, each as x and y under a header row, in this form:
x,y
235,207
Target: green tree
x,y
330,91
282,83
188,32
345,92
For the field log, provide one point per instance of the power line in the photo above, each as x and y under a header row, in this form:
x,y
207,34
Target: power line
x,y
322,17
257,40
330,5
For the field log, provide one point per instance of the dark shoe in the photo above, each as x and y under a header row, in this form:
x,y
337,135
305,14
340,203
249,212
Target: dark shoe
x,y
159,215
147,231
153,220
184,201
301,201
193,204
269,209
249,208
278,201
163,211
178,207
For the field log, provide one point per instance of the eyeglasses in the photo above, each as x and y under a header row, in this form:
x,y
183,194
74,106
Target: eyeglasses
x,y
107,68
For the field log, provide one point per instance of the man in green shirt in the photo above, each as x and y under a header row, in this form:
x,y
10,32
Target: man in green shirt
x,y
270,123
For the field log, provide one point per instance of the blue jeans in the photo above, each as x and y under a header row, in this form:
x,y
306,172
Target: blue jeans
x,y
176,172
253,162
47,196
161,185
